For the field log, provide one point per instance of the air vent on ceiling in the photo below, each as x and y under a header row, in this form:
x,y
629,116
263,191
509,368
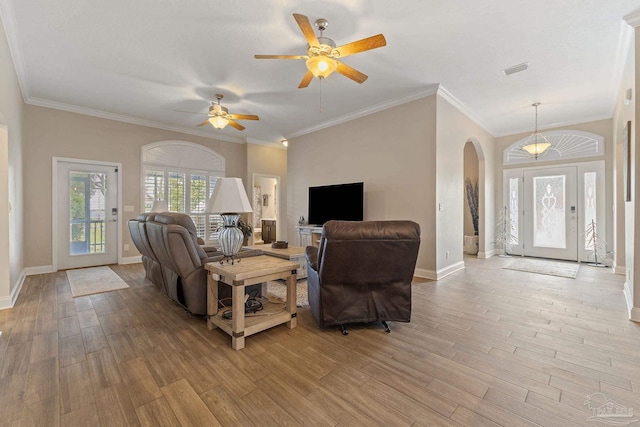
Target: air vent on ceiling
x,y
515,69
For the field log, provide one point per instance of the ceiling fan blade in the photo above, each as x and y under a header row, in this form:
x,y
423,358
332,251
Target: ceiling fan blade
x,y
306,80
204,123
280,56
352,73
307,29
244,117
236,125
369,43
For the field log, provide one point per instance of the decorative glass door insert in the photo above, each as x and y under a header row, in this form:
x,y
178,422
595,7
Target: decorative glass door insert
x,y
549,212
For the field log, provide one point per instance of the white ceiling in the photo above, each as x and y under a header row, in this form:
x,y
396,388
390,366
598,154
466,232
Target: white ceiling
x,y
140,60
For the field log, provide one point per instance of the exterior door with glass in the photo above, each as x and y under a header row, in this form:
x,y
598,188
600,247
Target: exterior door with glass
x,y
87,215
550,223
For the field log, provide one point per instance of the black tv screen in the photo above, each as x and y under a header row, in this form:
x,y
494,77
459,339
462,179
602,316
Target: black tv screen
x,y
343,202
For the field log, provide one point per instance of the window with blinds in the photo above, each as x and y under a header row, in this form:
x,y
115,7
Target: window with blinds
x,y
183,174
185,191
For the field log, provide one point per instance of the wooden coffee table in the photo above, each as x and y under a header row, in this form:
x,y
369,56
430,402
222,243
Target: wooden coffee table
x,y
249,271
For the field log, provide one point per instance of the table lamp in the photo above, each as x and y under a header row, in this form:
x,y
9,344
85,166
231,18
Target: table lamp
x,y
159,206
229,199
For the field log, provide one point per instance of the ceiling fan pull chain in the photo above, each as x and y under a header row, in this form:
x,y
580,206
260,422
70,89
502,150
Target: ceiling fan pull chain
x,y
321,95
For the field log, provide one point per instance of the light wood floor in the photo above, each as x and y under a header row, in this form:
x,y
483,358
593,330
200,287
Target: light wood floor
x,y
485,347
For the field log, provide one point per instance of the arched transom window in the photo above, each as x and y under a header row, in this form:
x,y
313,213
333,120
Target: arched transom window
x,y
565,145
183,174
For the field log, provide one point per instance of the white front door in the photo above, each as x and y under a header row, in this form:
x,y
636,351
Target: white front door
x,y
550,210
551,213
87,214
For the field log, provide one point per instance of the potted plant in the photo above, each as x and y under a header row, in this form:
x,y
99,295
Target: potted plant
x,y
246,229
471,191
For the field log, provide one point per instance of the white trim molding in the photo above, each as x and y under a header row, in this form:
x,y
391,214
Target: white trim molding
x,y
10,301
128,119
488,254
425,274
131,260
432,90
54,203
444,272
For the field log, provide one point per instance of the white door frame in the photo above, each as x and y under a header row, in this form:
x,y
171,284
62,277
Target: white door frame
x,y
54,203
278,217
597,166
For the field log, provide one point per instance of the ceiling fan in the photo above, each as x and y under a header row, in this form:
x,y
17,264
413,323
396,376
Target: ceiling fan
x,y
322,53
219,116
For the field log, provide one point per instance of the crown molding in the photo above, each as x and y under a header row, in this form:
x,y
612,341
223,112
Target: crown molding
x,y
366,111
460,106
633,19
11,32
555,126
127,119
271,144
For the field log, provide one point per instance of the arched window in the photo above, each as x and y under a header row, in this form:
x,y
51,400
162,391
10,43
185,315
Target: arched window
x,y
565,145
183,174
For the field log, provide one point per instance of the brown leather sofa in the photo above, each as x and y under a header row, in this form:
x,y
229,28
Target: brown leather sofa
x,y
173,242
138,231
362,272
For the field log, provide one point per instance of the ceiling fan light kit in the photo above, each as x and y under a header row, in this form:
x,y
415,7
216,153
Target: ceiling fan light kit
x,y
322,53
219,116
218,122
321,66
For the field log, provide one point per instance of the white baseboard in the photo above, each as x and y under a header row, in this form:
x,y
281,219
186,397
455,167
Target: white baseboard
x,y
131,260
627,296
43,269
619,269
10,301
444,272
437,275
426,274
485,255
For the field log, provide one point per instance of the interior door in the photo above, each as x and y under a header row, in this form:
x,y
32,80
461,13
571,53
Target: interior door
x,y
87,215
550,228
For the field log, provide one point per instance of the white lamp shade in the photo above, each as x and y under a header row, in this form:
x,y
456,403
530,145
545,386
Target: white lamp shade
x,y
229,196
159,206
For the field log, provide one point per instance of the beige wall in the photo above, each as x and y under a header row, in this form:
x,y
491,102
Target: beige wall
x,y
11,182
408,168
454,129
54,133
392,152
262,160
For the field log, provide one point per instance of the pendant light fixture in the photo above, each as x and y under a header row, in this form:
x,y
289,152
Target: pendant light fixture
x,y
537,144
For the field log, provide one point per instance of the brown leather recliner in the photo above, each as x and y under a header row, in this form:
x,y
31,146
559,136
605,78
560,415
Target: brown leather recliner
x,y
362,272
138,231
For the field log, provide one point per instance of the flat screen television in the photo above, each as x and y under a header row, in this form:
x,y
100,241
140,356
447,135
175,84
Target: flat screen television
x,y
343,202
